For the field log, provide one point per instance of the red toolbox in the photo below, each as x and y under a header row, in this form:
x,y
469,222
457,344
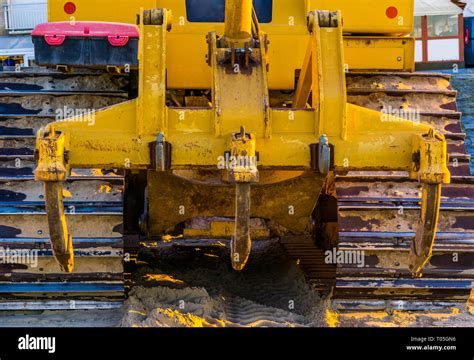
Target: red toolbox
x,y
89,44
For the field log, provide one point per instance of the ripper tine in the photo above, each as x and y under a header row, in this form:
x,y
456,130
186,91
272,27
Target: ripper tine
x,y
61,240
422,245
241,242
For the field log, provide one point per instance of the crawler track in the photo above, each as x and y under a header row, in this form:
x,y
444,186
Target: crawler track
x,y
379,217
28,101
377,212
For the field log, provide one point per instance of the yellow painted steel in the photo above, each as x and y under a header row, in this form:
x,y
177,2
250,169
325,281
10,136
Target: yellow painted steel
x,y
124,136
331,77
371,17
364,139
244,169
287,33
431,146
238,24
422,245
51,152
231,92
361,16
58,230
381,53
124,11
223,230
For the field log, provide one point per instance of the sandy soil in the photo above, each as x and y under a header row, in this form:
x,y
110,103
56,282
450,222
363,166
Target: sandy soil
x,y
271,291
449,318
197,288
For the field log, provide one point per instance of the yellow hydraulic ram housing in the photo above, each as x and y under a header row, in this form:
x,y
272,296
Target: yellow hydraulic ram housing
x,y
241,158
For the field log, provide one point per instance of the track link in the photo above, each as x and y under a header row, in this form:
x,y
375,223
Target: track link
x,y
93,198
378,212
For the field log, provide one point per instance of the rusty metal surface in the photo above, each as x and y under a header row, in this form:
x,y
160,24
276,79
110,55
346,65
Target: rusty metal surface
x,y
61,240
378,212
398,81
93,198
173,200
379,218
311,259
241,243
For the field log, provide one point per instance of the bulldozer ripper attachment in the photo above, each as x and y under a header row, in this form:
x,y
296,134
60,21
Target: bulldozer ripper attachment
x,y
92,198
243,174
181,196
241,243
431,169
182,166
53,172
61,240
422,245
379,212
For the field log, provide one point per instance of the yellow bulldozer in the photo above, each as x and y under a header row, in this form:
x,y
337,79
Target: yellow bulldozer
x,y
244,120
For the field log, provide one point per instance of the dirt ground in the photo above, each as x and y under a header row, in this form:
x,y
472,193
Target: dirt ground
x,y
198,288
271,291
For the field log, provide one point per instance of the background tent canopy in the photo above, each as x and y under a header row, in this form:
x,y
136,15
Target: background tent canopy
x,y
436,7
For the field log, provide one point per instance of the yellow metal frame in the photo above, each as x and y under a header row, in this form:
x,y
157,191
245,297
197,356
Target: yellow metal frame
x,y
362,139
287,34
360,16
380,53
369,16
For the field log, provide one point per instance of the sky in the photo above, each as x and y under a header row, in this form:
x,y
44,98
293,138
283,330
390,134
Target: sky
x,y
469,10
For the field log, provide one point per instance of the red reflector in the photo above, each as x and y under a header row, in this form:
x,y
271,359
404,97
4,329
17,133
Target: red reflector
x,y
54,40
392,12
69,8
118,40
466,38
